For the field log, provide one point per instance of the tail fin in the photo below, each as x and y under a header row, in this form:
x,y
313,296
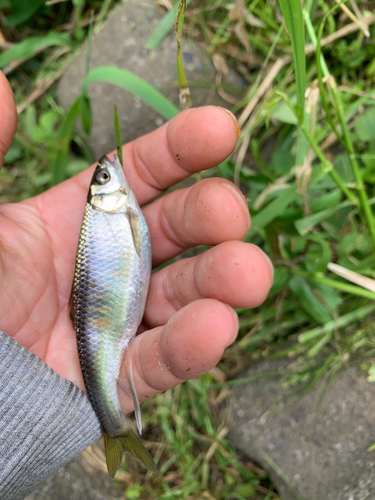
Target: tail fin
x,y
127,443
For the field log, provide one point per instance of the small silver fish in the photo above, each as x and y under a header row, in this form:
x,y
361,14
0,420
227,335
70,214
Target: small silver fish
x,y
110,286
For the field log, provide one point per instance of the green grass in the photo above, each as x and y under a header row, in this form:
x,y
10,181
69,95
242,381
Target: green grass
x,y
306,163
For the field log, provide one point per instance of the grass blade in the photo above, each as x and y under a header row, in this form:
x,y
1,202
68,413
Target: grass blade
x,y
320,264
292,12
345,139
323,71
305,225
185,100
308,300
134,84
22,10
163,28
118,136
319,345
273,209
280,473
64,137
329,327
85,112
338,285
89,38
29,47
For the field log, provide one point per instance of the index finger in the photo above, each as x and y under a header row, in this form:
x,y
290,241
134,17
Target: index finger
x,y
194,140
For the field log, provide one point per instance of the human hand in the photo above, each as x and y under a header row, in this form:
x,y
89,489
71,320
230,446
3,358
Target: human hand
x,y
189,319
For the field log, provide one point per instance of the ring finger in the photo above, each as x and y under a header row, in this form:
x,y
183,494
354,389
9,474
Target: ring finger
x,y
233,272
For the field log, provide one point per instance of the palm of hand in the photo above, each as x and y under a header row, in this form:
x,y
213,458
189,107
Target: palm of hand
x,y
189,308
37,253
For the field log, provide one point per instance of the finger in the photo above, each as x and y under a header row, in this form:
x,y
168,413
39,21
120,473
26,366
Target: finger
x,y
190,344
195,140
208,135
200,137
8,121
209,212
236,273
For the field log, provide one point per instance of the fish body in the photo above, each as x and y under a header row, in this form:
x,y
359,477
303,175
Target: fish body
x,y
109,292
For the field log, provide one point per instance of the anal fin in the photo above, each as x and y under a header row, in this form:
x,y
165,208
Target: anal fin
x,y
133,391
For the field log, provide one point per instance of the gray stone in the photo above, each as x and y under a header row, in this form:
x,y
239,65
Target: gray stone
x,y
75,481
121,43
319,443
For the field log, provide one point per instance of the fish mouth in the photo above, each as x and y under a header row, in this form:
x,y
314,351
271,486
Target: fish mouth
x,y
105,160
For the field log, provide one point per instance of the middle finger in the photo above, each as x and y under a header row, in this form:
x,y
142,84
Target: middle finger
x,y
208,213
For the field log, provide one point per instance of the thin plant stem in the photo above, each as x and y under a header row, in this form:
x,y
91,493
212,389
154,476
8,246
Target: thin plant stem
x,y
345,287
327,166
312,35
367,213
341,322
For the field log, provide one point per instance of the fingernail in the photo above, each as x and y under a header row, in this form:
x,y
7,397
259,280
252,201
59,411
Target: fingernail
x,y
235,317
240,197
234,119
267,258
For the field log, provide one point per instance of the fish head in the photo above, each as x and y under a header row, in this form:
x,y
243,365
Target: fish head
x,y
109,190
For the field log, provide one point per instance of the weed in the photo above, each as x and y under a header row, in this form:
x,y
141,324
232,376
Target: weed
x,y
305,160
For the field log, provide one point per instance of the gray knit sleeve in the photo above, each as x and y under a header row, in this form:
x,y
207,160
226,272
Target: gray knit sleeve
x,y
45,420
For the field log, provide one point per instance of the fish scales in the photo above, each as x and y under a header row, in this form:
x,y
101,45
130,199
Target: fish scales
x,y
108,285
109,292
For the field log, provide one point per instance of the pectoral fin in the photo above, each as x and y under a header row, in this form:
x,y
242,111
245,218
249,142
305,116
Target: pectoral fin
x,y
133,217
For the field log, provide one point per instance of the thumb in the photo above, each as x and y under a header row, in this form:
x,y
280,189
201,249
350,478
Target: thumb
x,y
8,117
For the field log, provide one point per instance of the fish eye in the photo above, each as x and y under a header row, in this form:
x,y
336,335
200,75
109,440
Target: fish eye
x,y
102,177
